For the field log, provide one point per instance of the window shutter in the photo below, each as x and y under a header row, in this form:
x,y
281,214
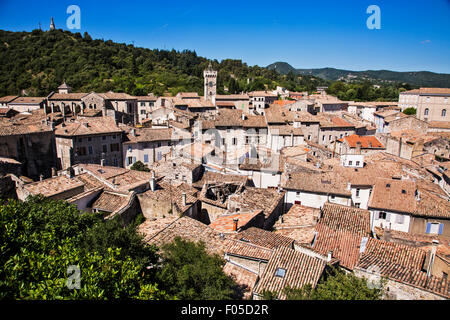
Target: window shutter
x,y
376,215
388,217
134,159
428,228
145,158
441,228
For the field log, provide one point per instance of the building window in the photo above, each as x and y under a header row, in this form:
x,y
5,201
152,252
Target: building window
x,y
297,193
444,112
89,139
130,160
247,139
80,139
115,147
81,151
434,228
400,219
91,151
426,111
104,137
280,272
105,148
130,148
234,141
357,205
382,215
350,163
357,192
357,163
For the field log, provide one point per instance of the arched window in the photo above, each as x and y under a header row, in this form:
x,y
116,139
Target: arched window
x,y
426,111
444,112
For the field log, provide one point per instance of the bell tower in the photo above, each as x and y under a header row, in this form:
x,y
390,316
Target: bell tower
x,y
210,78
52,25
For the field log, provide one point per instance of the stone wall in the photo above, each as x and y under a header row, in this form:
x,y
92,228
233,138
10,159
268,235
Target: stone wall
x,y
400,291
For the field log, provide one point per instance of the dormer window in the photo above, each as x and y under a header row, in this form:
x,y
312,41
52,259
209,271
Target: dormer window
x,y
388,185
403,191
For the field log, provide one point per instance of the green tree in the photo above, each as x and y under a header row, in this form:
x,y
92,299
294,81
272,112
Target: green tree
x,y
338,286
139,166
410,111
188,272
40,238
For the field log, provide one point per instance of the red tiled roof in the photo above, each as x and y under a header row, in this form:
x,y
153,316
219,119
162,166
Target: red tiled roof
x,y
344,244
339,217
367,142
250,250
264,238
225,223
300,269
413,277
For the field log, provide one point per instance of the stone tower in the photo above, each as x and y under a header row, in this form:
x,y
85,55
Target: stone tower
x,y
210,77
52,25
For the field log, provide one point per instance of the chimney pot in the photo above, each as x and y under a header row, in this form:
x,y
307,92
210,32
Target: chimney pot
x,y
183,198
235,224
330,256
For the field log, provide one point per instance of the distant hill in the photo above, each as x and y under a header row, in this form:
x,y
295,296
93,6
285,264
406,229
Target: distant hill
x,y
36,63
414,78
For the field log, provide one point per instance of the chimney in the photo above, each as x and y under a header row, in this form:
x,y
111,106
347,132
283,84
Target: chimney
x,y
54,172
153,182
41,177
243,116
183,198
358,147
330,256
235,224
432,255
400,146
102,162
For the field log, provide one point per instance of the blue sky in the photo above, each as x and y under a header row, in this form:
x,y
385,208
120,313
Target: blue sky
x,y
414,35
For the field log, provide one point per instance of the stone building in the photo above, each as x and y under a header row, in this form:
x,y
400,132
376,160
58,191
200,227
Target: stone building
x,y
432,104
29,139
89,140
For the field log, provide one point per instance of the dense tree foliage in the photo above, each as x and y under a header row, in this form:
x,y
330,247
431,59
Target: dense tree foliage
x,y
337,285
365,91
190,273
41,238
139,166
410,111
39,61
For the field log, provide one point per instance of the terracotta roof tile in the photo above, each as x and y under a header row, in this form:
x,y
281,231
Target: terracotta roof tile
x,y
264,238
299,269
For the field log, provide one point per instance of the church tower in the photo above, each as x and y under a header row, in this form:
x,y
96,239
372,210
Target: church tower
x,y
210,78
52,25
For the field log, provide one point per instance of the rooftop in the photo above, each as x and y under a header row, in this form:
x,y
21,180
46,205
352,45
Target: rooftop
x,y
288,267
